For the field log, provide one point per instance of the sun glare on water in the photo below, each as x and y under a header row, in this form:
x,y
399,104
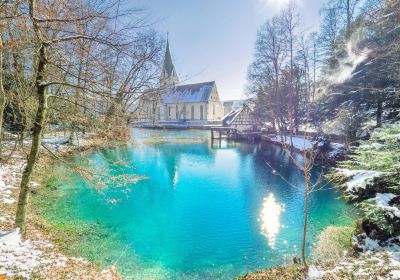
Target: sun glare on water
x,y
270,218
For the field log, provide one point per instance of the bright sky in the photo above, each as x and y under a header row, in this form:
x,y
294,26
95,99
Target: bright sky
x,y
214,39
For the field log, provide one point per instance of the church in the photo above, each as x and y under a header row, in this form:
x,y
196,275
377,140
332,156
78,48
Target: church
x,y
174,103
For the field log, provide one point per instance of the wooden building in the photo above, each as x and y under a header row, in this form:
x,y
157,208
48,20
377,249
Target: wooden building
x,y
242,119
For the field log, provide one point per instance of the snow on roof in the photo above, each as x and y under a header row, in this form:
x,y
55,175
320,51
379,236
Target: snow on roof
x,y
189,93
231,116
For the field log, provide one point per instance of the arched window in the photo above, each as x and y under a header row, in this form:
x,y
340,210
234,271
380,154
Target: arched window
x,y
184,111
176,112
192,112
213,109
201,112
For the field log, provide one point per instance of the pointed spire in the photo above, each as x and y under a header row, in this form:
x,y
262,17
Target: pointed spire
x,y
168,65
168,76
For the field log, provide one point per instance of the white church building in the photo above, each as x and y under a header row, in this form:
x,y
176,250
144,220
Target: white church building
x,y
175,103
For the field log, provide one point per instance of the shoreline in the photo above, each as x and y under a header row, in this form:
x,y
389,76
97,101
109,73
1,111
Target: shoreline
x,y
41,242
39,255
367,182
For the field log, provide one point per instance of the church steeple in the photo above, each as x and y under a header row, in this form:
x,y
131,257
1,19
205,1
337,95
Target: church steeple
x,y
168,75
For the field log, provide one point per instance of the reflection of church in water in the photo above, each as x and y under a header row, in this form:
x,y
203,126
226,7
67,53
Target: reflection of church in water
x,y
172,154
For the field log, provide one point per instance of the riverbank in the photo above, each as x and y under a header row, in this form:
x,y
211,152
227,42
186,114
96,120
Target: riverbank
x,y
50,260
370,180
38,256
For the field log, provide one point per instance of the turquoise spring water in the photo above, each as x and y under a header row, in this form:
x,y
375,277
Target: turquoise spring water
x,y
204,212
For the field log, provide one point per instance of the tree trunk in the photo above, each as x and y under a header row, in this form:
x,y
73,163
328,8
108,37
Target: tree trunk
x,y
303,246
348,18
314,70
38,128
2,107
2,95
379,111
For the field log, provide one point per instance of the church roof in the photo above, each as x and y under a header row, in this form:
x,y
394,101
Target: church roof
x,y
168,65
189,93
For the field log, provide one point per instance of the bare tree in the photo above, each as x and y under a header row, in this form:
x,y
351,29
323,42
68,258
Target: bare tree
x,y
265,72
305,163
2,90
290,24
70,45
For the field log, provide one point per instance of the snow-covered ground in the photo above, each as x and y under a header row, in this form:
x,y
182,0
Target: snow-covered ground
x,y
332,153
375,262
35,258
24,258
38,259
10,174
299,143
17,257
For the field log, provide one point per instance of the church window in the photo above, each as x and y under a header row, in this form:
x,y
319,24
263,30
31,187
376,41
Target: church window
x,y
201,112
192,112
176,112
184,111
159,113
214,109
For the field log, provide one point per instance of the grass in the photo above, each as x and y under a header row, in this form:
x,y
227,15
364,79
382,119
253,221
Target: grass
x,y
290,272
72,238
332,244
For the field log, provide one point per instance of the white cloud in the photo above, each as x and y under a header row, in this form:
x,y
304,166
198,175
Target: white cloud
x,y
275,6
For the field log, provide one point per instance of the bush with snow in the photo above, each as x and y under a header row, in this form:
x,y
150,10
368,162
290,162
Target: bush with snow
x,y
371,179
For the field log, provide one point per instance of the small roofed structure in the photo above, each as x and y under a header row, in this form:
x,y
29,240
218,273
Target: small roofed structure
x,y
242,119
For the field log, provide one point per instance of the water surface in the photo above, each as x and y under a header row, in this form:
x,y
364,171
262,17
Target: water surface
x,y
204,212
